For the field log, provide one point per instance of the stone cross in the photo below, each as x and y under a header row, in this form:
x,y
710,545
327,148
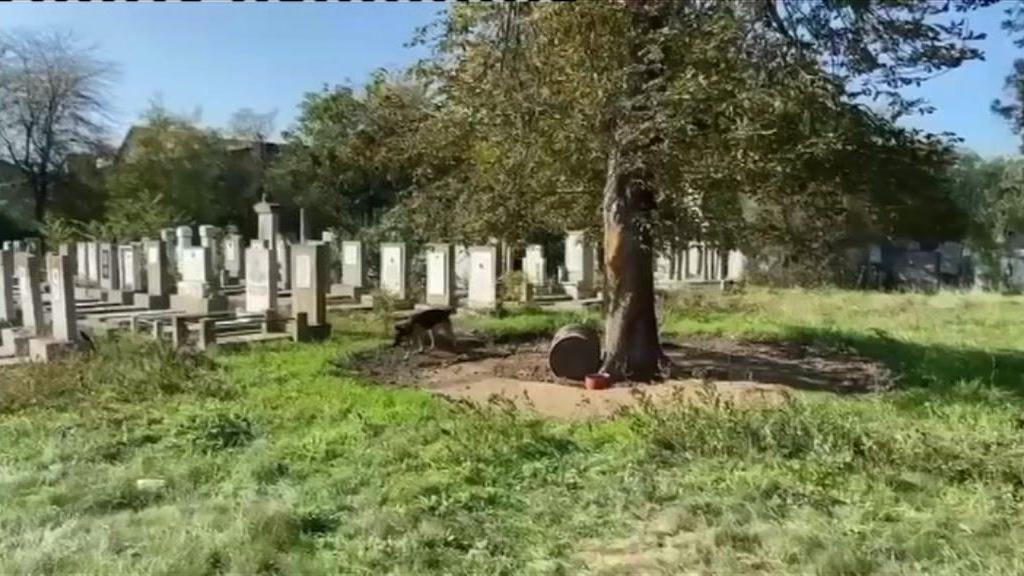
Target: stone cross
x,y
393,265
483,277
440,275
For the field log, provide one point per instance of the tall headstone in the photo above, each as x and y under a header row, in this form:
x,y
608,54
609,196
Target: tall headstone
x,y
461,267
158,277
92,256
183,235
309,290
169,237
132,268
210,238
736,265
27,270
8,313
261,277
440,275
483,277
579,264
393,265
284,264
81,264
267,221
63,335
197,292
352,270
534,265
234,254
62,299
110,276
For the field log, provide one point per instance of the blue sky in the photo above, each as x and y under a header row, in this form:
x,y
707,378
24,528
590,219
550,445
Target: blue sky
x,y
222,57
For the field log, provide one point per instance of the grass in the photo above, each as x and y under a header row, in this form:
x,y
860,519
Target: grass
x,y
277,460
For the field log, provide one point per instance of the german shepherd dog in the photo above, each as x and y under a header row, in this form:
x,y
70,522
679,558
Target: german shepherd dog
x,y
425,323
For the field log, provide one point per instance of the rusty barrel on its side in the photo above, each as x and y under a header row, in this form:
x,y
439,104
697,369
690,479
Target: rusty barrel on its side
x,y
575,352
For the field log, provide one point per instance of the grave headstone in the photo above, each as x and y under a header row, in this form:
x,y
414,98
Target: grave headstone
x,y
26,267
8,313
461,267
483,277
267,221
353,272
579,265
109,269
92,256
81,264
261,277
303,226
234,256
210,238
736,265
284,264
393,266
183,236
440,275
309,290
63,335
158,277
534,265
170,240
133,278
197,293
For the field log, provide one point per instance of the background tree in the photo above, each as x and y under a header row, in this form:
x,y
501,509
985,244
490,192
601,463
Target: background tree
x,y
52,104
174,172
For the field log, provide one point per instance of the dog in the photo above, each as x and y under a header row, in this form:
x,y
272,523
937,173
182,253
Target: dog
x,y
423,323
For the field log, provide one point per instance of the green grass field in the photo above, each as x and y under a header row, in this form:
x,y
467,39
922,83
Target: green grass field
x,y
279,460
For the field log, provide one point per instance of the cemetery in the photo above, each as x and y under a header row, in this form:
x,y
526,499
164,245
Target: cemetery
x,y
542,288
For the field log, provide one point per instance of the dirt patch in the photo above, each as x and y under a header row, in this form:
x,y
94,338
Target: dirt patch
x,y
738,370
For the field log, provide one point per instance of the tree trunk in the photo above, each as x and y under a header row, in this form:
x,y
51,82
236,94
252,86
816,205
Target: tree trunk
x,y
41,196
631,343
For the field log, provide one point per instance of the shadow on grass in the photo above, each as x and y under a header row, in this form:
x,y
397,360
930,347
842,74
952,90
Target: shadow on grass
x,y
935,369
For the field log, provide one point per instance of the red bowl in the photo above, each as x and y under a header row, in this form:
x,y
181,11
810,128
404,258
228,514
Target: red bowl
x,y
597,381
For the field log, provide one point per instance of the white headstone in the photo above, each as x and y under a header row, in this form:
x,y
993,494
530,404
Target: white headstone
x,y
27,268
261,277
579,259
534,265
483,277
440,275
62,299
352,272
393,269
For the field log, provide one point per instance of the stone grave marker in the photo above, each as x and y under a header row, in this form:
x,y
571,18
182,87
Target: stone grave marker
x,y
309,290
393,266
483,277
284,264
440,275
63,335
261,277
8,313
197,293
534,265
234,256
579,265
158,277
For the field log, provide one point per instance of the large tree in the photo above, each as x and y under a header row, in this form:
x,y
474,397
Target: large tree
x,y
680,114
52,105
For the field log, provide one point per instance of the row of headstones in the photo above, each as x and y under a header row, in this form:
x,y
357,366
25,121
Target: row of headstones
x,y
699,262
26,331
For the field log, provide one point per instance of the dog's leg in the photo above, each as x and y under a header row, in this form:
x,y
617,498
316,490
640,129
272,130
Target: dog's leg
x,y
419,338
449,334
433,340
